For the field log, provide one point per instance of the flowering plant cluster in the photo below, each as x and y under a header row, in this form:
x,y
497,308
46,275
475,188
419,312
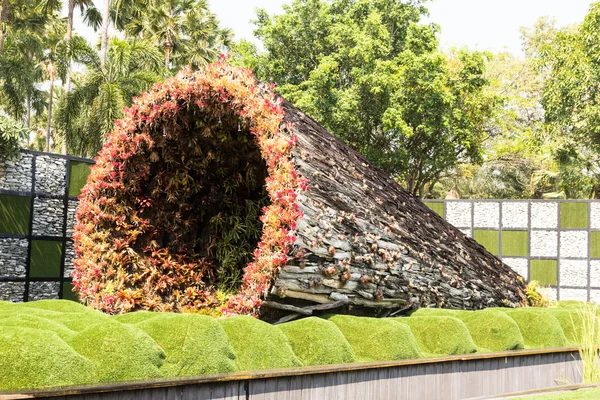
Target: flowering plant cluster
x,y
167,201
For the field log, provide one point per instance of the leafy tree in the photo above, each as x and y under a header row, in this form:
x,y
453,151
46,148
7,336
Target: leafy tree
x,y
374,77
570,57
89,112
12,136
185,30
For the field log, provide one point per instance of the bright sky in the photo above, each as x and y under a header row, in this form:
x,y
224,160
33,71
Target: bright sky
x,y
476,24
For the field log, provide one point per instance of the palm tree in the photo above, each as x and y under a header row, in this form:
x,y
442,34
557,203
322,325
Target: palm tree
x,y
90,12
89,112
185,30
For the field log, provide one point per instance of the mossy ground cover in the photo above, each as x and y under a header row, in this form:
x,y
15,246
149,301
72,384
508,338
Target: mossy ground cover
x,y
441,336
491,329
316,341
377,339
539,328
257,344
59,342
194,344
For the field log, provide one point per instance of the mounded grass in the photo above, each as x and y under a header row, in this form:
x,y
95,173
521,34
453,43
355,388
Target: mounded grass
x,y
316,341
64,306
539,328
441,336
135,317
571,322
436,312
492,330
34,358
58,342
35,322
257,344
119,352
377,339
194,344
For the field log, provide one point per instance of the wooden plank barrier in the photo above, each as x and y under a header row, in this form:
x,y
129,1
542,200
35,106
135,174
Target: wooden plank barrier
x,y
445,378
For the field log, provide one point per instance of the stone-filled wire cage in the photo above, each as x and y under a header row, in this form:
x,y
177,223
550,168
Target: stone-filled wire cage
x,y
38,199
555,242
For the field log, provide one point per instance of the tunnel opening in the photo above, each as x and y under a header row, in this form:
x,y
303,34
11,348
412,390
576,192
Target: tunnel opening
x,y
208,177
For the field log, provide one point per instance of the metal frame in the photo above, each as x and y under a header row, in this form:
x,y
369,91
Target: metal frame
x,y
62,238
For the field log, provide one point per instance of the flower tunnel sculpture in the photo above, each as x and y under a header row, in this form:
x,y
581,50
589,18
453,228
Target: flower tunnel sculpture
x,y
214,194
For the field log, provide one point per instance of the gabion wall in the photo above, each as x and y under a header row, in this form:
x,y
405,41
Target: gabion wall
x,y
556,242
38,198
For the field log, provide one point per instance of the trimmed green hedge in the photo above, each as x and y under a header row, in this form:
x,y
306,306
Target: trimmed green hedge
x,y
377,339
258,345
194,344
441,336
59,342
539,329
491,329
316,341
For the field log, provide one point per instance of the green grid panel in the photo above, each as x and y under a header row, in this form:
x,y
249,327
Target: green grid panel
x,y
45,258
488,239
78,177
14,214
595,244
68,293
438,207
574,215
515,243
543,271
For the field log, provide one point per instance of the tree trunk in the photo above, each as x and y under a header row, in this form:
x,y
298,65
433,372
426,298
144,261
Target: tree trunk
x,y
68,36
369,243
104,42
50,100
4,14
28,116
167,58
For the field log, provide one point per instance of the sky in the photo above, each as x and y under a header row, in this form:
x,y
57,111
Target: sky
x,y
476,24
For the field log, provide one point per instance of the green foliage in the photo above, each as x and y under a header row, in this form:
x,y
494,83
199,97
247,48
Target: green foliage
x,y
535,297
316,341
538,328
377,339
89,112
441,336
492,330
372,76
135,317
258,345
36,358
571,322
193,344
12,136
119,352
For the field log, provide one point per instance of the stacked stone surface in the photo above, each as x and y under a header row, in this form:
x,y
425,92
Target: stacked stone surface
x,y
15,174
12,291
50,173
43,290
47,217
13,257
